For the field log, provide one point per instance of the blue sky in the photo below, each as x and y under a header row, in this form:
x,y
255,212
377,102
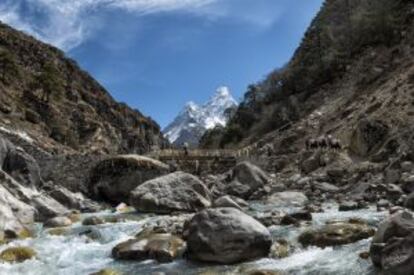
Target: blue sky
x,y
156,55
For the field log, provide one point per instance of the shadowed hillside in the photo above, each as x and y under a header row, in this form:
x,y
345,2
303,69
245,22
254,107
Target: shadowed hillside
x,y
46,97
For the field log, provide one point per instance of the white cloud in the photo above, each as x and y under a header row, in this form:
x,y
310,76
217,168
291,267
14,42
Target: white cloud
x,y
66,24
258,13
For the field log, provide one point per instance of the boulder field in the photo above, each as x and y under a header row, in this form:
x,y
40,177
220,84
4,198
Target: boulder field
x,y
211,219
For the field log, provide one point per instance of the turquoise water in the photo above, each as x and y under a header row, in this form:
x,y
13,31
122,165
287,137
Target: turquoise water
x,y
76,253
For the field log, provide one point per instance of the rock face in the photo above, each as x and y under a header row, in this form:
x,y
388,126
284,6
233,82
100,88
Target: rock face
x,y
336,233
13,212
44,206
392,248
73,200
178,191
288,198
113,179
246,179
18,164
368,136
21,166
47,207
161,247
226,236
310,162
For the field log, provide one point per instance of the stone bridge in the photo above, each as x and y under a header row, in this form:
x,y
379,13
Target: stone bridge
x,y
203,161
200,161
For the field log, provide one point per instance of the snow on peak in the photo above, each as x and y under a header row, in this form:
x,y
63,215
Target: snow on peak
x,y
194,120
223,91
191,106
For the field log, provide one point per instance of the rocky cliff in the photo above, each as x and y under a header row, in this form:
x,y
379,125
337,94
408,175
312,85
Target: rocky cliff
x,y
45,98
354,63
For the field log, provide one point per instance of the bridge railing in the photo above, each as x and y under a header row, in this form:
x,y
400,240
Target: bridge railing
x,y
172,153
204,153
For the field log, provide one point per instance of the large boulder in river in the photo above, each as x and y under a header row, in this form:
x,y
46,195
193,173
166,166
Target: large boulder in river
x,y
93,220
58,222
17,254
246,179
337,233
178,191
114,178
288,199
392,248
161,247
226,236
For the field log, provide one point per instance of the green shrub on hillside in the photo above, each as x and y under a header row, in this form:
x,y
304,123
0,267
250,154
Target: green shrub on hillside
x,y
49,81
9,69
232,135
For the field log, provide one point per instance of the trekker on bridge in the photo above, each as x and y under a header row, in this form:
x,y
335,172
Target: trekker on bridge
x,y
185,148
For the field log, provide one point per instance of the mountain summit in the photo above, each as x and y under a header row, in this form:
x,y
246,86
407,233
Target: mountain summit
x,y
193,120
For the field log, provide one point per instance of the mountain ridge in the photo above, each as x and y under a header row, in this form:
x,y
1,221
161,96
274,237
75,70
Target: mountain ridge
x,y
346,53
60,106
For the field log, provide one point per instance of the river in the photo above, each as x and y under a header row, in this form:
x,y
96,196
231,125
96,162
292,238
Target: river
x,y
87,249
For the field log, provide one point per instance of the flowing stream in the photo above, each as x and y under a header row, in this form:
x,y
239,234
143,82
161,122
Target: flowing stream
x,y
87,249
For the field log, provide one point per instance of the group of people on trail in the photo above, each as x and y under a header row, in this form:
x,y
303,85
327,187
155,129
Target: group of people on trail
x,y
323,142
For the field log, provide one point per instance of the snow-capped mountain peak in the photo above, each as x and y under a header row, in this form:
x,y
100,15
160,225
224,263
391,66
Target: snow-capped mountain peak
x,y
216,106
223,91
190,109
194,120
191,106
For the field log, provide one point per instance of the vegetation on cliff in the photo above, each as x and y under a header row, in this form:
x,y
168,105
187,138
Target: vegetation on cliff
x,y
47,95
340,35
